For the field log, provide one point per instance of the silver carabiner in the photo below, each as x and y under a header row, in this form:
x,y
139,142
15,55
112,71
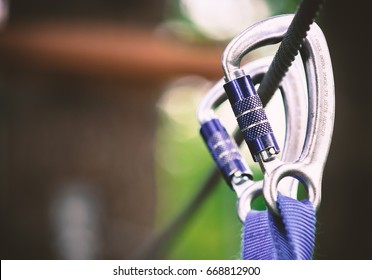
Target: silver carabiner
x,y
308,167
293,91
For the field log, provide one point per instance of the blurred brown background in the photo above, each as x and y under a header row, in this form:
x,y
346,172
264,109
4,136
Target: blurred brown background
x,y
79,81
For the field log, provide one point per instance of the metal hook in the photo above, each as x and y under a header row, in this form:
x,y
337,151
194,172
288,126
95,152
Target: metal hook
x,y
308,168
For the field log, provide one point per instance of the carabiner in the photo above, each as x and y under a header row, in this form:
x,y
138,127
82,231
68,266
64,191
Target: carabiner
x,y
224,148
308,167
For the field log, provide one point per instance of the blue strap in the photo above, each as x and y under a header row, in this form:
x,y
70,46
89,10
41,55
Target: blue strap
x,y
289,237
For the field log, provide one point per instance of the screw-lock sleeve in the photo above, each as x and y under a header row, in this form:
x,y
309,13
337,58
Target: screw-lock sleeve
x,y
224,150
251,116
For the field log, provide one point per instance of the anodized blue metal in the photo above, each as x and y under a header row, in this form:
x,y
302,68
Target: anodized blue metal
x,y
224,150
251,116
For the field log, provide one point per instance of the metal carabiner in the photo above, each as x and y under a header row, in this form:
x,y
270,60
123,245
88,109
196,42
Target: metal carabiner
x,y
308,167
224,149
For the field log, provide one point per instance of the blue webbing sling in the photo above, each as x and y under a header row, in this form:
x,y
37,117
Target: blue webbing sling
x,y
289,237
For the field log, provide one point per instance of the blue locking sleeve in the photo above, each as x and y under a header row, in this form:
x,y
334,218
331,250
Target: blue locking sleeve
x,y
224,150
251,116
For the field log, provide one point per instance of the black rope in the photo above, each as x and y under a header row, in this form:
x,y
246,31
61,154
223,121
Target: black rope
x,y
289,48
